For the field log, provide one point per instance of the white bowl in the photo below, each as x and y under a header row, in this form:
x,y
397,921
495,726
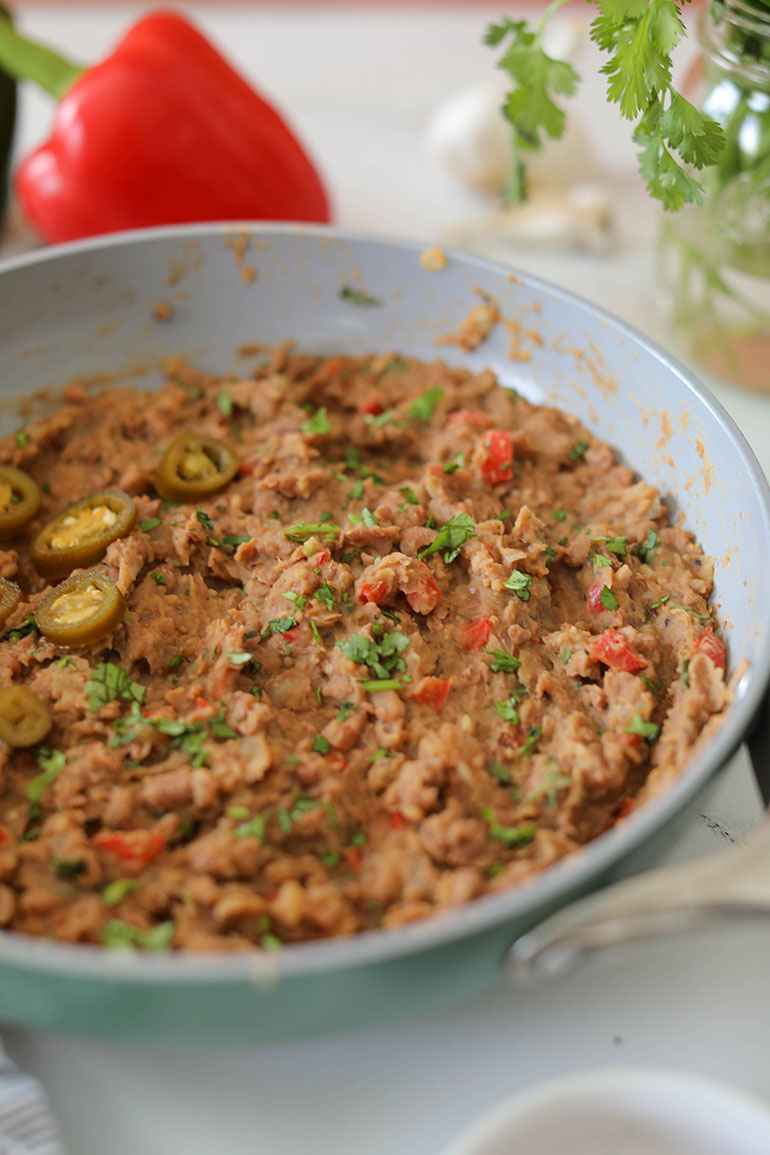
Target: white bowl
x,y
624,1111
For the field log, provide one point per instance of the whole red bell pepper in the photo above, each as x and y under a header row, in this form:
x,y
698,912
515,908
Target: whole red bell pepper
x,y
162,131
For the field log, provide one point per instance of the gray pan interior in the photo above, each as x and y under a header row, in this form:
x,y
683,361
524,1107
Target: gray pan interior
x,y
87,310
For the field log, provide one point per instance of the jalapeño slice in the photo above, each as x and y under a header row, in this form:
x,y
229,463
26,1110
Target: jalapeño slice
x,y
24,719
19,500
82,609
80,534
195,466
10,596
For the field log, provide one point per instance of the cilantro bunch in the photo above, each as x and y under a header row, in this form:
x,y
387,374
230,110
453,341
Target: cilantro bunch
x,y
639,36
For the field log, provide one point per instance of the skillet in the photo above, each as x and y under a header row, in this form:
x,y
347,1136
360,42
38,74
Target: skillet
x,y
87,309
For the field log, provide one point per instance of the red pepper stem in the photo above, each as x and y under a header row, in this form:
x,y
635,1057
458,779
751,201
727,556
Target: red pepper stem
x,y
23,59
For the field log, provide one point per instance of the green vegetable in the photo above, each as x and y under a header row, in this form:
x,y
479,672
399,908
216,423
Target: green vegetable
x,y
321,745
303,530
68,868
224,403
368,518
149,523
508,835
508,710
358,296
451,537
325,595
109,682
647,730
297,600
52,762
281,625
158,578
119,935
649,547
531,741
318,423
254,828
639,37
608,598
423,407
579,450
383,657
115,892
520,583
503,663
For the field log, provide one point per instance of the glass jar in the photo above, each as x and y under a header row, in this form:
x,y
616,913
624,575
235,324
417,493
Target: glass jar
x,y
715,257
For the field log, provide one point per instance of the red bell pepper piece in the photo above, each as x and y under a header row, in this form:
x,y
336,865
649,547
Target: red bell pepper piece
x,y
373,592
475,635
615,651
161,131
498,463
397,820
135,847
712,646
433,692
595,598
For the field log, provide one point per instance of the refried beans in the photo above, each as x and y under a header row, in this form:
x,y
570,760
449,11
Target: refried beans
x,y
429,639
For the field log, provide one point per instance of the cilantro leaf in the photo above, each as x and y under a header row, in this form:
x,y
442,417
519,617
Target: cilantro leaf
x,y
608,598
318,423
647,730
503,663
508,835
520,583
451,537
423,407
109,682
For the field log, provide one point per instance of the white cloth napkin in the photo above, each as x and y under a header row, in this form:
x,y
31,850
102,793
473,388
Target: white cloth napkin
x,y
27,1126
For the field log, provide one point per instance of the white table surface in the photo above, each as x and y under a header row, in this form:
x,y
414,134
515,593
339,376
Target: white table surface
x,y
360,83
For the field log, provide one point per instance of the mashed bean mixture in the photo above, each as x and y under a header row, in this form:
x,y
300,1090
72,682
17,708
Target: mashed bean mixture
x,y
430,639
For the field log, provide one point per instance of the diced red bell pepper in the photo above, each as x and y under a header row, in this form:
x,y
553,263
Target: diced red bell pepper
x,y
475,635
373,592
498,464
712,646
615,651
353,856
397,820
372,405
433,692
135,847
424,593
246,468
320,558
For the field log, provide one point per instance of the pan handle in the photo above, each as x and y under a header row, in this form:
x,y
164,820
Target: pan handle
x,y
721,888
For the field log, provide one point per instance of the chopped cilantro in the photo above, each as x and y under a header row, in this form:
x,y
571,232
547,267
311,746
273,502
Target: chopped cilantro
x,y
503,663
659,602
358,296
383,657
297,600
702,618
239,659
119,935
284,820
346,709
508,711
109,682
559,514
358,839
608,598
177,660
303,530
51,762
325,595
21,437
531,741
158,578
408,493
455,463
520,583
579,450
224,403
235,539
368,518
318,423
148,523
617,545
281,625
648,548
500,772
115,891
423,407
66,663
68,867
253,828
508,835
647,730
451,537
321,745
600,560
